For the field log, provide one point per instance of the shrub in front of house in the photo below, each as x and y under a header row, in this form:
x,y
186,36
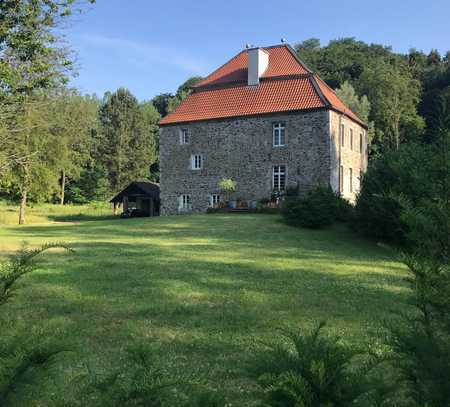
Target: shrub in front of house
x,y
316,210
345,211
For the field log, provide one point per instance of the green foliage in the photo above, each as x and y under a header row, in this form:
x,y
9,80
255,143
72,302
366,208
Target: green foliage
x,y
21,263
124,145
421,338
167,102
92,185
23,354
316,210
394,96
396,173
227,185
386,78
309,370
31,57
359,105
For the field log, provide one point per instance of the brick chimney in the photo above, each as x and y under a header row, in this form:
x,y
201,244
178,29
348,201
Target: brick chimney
x,y
258,61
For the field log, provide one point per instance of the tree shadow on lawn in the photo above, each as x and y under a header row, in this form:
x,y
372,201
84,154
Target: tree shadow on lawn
x,y
208,313
79,217
129,282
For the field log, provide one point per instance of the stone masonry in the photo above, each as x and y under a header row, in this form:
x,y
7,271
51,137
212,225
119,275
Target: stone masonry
x,y
242,149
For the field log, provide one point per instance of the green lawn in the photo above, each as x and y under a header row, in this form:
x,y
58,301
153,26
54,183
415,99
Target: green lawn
x,y
205,288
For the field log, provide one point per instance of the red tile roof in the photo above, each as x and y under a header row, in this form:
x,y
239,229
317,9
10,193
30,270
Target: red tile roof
x,y
286,85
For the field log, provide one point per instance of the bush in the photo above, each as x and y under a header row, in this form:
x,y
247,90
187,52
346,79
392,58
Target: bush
x,y
402,173
318,209
309,370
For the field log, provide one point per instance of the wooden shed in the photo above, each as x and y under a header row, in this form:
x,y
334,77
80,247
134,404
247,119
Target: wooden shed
x,y
140,195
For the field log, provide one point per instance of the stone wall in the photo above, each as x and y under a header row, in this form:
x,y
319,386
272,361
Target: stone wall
x,y
347,156
242,149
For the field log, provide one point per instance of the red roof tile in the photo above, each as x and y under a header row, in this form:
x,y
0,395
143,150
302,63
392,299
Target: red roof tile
x,y
235,70
286,85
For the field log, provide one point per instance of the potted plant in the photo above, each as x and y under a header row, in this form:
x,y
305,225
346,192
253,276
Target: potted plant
x,y
228,186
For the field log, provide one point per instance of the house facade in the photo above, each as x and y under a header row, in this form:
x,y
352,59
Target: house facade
x,y
266,121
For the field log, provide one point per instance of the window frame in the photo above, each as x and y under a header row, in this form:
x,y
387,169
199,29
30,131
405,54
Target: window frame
x,y
279,174
361,142
351,138
184,136
341,179
342,135
197,162
185,202
214,199
277,128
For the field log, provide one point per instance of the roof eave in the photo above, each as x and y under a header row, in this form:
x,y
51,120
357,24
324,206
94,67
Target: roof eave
x,y
245,115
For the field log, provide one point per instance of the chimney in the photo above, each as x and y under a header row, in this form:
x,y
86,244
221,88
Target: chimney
x,y
258,61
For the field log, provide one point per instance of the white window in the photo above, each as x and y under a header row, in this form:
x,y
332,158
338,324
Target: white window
x,y
185,202
279,135
341,179
196,162
342,135
214,200
279,177
184,136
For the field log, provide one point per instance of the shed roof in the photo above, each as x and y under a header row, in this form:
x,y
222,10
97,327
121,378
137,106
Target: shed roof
x,y
138,188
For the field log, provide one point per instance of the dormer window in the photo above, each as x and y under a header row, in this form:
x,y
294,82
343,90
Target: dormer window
x,y
184,136
279,135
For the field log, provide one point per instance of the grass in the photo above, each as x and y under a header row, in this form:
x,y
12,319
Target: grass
x,y
204,288
44,213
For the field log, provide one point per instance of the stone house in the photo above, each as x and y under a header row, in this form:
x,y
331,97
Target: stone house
x,y
266,121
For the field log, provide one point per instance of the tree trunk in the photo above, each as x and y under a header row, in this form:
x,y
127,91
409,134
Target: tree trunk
x,y
63,185
23,204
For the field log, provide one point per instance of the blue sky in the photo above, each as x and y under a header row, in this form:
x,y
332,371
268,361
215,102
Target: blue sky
x,y
151,46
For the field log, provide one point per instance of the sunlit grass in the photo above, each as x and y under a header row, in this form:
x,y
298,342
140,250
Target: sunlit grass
x,y
204,287
44,213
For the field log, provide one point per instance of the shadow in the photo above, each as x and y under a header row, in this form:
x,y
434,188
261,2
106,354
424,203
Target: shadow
x,y
80,217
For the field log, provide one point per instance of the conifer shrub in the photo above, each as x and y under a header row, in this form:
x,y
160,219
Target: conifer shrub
x,y
316,210
401,173
309,369
23,352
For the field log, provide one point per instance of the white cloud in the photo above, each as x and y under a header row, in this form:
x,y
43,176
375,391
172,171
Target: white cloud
x,y
137,53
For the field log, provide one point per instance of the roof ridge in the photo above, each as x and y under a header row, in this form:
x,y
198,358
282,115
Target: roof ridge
x,y
347,109
319,91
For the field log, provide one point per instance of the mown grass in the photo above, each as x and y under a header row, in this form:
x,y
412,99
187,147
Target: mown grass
x,y
44,213
204,288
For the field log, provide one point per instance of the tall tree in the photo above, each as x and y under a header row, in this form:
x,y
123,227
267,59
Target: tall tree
x,y
35,173
126,143
152,117
360,105
31,60
74,118
394,96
